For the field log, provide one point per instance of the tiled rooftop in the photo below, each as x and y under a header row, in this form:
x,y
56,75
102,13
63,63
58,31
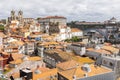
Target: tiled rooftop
x,y
111,48
78,71
75,30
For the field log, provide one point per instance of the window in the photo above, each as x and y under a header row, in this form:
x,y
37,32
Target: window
x,y
111,64
104,62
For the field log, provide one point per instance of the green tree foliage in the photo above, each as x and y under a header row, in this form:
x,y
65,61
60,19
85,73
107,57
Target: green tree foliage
x,y
111,37
54,27
68,40
1,27
73,39
72,24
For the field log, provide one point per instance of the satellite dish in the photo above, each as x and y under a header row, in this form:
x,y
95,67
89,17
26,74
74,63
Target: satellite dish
x,y
86,68
37,71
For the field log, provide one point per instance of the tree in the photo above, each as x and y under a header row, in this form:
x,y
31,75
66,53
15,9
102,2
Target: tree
x,y
68,40
111,37
1,27
75,39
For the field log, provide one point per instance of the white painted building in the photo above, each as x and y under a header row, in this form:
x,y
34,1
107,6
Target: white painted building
x,y
68,33
29,47
65,33
14,46
76,32
53,19
2,35
35,28
14,24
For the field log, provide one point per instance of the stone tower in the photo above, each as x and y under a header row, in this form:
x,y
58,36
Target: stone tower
x,y
13,17
20,16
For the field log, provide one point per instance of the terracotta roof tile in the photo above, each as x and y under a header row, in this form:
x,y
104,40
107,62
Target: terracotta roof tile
x,y
75,30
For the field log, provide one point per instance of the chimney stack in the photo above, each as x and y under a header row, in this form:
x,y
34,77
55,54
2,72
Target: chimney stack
x,y
86,75
74,77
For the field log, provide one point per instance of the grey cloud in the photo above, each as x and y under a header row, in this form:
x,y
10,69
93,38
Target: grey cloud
x,y
97,10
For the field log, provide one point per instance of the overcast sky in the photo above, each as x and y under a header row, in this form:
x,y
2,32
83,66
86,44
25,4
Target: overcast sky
x,y
82,10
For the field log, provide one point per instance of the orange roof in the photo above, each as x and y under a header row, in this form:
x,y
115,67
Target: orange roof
x,y
13,30
17,56
55,17
62,54
67,56
83,60
2,34
1,58
18,42
48,37
45,74
67,65
102,51
49,43
59,47
18,61
111,48
75,30
80,73
5,53
35,58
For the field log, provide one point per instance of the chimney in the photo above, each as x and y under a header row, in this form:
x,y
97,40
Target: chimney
x,y
38,67
77,65
86,75
95,66
37,71
74,77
